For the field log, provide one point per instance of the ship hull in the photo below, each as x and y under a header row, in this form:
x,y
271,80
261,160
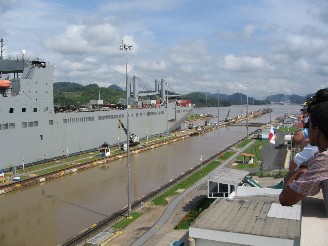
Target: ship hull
x,y
44,141
31,131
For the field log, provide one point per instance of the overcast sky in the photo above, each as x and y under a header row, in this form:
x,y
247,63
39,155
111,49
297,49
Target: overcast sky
x,y
195,45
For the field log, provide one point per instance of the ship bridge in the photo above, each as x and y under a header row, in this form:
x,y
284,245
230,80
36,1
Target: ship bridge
x,y
13,66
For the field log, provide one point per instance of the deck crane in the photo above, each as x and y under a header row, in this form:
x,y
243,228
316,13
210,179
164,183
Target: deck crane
x,y
227,117
133,139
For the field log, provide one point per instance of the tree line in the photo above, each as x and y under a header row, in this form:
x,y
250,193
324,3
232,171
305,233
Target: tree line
x,y
69,93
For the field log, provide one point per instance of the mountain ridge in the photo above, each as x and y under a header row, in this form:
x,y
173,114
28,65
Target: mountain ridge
x,y
71,93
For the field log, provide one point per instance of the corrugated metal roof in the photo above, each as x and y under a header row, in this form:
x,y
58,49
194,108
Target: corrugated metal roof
x,y
228,176
247,217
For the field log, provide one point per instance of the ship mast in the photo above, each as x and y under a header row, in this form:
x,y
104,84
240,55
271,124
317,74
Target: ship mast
x,y
1,49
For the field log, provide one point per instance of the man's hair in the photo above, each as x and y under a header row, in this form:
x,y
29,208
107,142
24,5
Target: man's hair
x,y
320,96
319,117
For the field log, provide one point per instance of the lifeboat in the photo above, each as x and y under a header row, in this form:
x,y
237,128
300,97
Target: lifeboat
x,y
5,84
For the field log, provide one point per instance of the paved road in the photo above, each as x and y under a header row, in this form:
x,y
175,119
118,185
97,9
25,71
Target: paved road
x,y
169,210
273,155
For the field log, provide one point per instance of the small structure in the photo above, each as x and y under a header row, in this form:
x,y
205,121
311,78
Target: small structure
x,y
104,150
265,133
102,237
17,178
288,121
288,141
224,181
245,156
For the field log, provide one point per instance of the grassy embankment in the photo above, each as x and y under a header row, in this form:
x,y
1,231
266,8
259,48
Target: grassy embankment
x,y
256,149
192,179
120,225
161,199
189,217
205,203
57,165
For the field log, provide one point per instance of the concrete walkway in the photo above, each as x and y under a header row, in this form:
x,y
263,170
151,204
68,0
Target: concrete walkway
x,y
169,210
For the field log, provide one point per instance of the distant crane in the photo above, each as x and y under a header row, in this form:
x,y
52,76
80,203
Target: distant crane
x,y
133,139
227,117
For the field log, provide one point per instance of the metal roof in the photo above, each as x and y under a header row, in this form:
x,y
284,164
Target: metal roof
x,y
249,216
228,176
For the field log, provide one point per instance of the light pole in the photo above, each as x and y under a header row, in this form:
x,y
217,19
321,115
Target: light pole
x,y
206,100
218,106
201,164
126,48
270,107
247,84
167,107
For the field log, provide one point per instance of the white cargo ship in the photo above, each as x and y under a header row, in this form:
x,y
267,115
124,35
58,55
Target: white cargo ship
x,y
31,130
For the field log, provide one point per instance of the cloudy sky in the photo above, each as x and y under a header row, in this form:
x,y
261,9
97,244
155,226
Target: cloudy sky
x,y
195,45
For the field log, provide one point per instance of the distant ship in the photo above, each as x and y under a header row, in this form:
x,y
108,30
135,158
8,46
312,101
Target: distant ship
x,y
31,130
284,102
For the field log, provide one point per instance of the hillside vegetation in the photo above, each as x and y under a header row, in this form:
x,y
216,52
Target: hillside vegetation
x,y
68,93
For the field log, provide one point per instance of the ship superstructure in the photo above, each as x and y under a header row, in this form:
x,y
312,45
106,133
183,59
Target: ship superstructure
x,y
31,130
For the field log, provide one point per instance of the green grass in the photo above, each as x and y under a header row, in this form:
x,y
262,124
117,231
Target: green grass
x,y
287,129
243,143
243,166
186,183
193,117
59,164
120,225
226,155
254,149
186,221
51,169
275,174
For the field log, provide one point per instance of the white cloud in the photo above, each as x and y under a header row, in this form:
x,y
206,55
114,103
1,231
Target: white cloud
x,y
197,46
247,33
305,45
156,65
70,42
7,5
245,63
323,59
302,64
141,5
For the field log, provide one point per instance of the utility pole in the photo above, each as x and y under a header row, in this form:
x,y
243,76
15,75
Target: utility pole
x,y
126,48
218,106
247,84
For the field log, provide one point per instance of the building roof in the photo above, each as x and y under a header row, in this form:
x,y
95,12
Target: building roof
x,y
248,154
228,176
250,215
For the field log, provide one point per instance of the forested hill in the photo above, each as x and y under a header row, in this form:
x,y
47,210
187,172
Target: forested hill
x,y
68,93
203,99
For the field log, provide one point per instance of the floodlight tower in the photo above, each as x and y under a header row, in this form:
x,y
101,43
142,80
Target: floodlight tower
x,y
247,84
126,48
